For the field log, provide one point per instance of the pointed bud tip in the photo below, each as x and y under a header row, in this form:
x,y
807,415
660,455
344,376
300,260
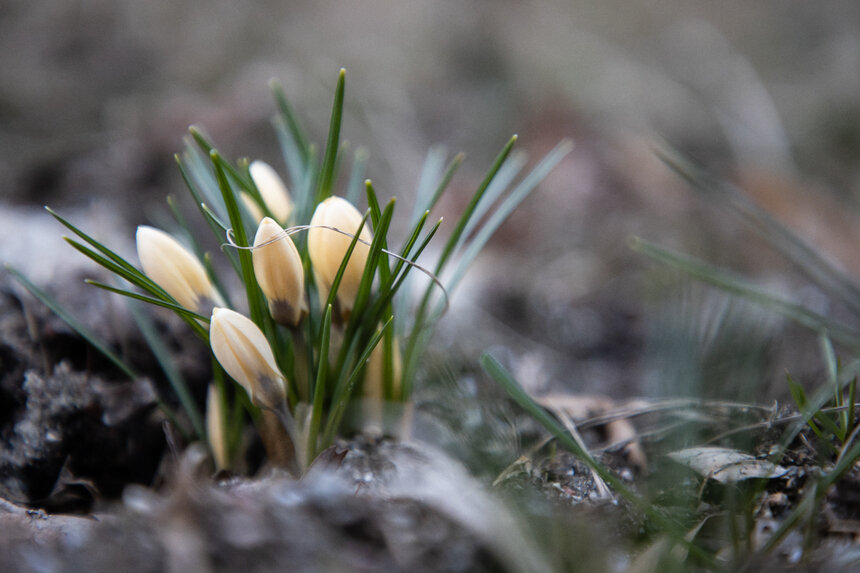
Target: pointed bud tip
x,y
243,351
267,230
144,231
279,272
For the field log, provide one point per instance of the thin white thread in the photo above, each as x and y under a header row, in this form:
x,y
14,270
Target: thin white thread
x,y
299,228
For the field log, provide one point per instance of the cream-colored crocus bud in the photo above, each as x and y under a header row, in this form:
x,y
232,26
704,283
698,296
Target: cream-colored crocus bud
x,y
374,373
273,191
327,249
374,383
216,428
251,205
243,351
174,268
279,272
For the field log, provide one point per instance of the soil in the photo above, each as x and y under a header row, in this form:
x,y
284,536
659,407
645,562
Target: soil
x,y
90,481
95,98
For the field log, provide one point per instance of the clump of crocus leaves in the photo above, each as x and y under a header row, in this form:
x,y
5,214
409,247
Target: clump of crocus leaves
x,y
323,321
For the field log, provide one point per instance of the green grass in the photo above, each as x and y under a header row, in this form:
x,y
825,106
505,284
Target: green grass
x,y
692,522
323,358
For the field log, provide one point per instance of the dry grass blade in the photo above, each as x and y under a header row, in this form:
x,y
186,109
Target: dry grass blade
x,y
638,407
570,426
619,430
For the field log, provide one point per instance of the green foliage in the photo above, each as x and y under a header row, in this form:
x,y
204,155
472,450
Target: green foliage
x,y
325,358
91,337
830,412
658,516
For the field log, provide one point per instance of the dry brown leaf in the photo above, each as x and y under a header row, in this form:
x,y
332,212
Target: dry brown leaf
x,y
580,407
726,465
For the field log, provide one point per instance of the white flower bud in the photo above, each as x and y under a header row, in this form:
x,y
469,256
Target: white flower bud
x,y
272,190
374,374
327,249
243,351
174,268
279,272
374,383
251,205
216,426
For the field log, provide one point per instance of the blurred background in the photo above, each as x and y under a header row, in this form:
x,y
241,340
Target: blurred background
x,y
96,95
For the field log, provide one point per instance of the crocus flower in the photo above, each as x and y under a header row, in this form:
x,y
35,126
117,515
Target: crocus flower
x,y
374,374
374,383
273,191
327,249
243,351
279,272
174,268
216,428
